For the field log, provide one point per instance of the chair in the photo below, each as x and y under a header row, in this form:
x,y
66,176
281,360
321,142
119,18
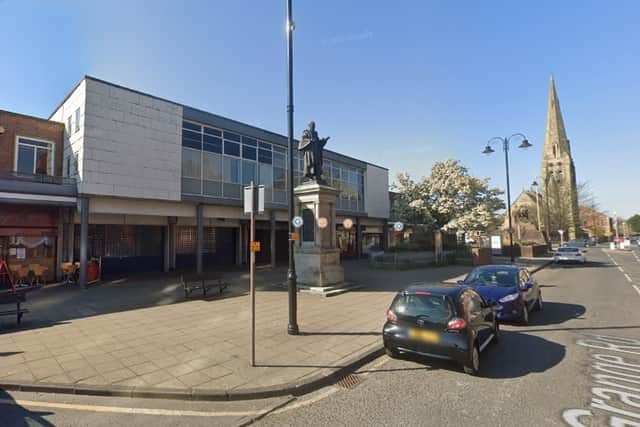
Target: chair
x,y
23,276
39,272
68,272
14,271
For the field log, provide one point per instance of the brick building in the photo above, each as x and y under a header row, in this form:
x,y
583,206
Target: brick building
x,y
596,224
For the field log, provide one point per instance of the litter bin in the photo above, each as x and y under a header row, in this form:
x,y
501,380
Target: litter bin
x,y
481,256
93,271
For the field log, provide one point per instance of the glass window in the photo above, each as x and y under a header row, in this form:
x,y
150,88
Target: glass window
x,y
192,126
213,144
279,179
232,136
279,149
248,172
249,141
77,118
266,175
26,163
264,145
265,156
212,131
191,163
34,157
212,166
279,160
435,307
191,139
231,148
248,152
69,125
231,170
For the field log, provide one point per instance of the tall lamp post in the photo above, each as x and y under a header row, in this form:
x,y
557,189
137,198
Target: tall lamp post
x,y
292,327
536,186
505,147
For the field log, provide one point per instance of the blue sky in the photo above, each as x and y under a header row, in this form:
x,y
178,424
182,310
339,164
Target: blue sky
x,y
400,84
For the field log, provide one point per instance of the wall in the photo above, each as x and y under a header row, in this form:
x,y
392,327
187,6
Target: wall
x,y
376,188
73,140
18,124
132,144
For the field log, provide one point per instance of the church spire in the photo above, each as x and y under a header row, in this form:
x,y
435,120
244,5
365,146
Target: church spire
x,y
555,134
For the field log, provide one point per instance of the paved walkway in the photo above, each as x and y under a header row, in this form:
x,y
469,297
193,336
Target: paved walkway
x,y
139,336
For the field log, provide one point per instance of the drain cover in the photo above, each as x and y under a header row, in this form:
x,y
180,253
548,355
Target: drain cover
x,y
350,381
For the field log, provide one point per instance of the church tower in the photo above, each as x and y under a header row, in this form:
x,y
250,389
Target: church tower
x,y
559,174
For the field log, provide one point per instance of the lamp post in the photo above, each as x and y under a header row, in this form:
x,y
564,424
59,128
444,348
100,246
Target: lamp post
x,y
505,147
535,185
292,327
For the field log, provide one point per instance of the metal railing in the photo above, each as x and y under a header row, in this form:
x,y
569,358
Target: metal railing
x,y
32,177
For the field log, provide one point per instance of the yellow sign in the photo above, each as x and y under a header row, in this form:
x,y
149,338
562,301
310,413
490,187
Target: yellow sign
x,y
254,246
295,236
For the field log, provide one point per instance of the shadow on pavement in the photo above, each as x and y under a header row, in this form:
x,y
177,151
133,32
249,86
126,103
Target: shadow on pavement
x,y
553,313
586,329
588,264
14,415
358,334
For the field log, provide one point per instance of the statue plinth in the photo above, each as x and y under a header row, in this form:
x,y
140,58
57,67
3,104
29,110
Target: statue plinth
x,y
316,254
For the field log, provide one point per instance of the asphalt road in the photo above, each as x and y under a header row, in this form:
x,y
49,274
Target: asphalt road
x,y
538,375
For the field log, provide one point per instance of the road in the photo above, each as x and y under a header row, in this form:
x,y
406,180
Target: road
x,y
542,374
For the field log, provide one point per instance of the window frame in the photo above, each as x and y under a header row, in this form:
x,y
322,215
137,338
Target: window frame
x,y
76,116
52,149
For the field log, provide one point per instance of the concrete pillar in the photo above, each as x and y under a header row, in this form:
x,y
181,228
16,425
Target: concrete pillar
x,y
358,238
71,235
167,248
199,239
60,243
272,237
84,240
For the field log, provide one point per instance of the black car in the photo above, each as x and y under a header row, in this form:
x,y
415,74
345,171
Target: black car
x,y
441,321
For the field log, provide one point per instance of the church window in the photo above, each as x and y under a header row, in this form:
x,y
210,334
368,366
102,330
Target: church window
x,y
555,150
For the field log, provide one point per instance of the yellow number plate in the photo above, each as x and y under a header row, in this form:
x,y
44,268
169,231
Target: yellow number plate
x,y
422,335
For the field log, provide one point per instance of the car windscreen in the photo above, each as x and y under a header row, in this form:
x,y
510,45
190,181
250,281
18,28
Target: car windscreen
x,y
434,307
569,250
492,277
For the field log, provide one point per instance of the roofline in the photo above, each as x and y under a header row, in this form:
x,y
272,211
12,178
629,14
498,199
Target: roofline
x,y
86,76
13,113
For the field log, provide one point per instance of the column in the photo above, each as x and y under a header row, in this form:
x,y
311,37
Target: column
x,y
358,238
60,243
199,238
172,242
71,235
167,248
84,240
272,237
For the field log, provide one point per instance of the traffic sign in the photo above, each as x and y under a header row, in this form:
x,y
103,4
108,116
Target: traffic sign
x,y
297,221
347,223
322,222
254,246
398,226
295,236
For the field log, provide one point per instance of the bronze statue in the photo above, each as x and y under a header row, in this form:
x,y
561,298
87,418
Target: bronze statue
x,y
311,145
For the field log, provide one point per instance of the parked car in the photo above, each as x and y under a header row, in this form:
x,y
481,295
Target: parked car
x,y
570,254
512,287
578,243
441,321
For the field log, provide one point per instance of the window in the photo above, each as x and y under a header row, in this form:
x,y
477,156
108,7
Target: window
x,y
191,139
192,126
77,118
34,156
212,143
232,136
232,149
435,307
248,172
279,179
248,152
265,156
249,141
266,175
212,166
69,125
191,163
231,170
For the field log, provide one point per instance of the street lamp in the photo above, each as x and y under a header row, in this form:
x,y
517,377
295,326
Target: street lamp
x,y
505,147
535,185
292,327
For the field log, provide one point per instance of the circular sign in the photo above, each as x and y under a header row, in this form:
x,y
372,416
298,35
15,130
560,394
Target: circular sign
x,y
322,222
297,221
347,223
398,226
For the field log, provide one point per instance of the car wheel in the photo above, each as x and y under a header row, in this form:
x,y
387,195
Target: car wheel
x,y
539,302
473,365
391,352
524,317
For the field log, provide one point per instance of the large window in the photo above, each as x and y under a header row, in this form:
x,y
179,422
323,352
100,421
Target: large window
x,y
77,118
191,163
231,170
34,156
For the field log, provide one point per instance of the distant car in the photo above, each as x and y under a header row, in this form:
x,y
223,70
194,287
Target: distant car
x,y
441,321
570,254
517,291
579,243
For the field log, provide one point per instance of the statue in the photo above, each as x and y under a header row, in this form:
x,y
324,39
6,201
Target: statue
x,y
311,145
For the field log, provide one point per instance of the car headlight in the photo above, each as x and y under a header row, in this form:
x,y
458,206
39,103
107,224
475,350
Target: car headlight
x,y
510,297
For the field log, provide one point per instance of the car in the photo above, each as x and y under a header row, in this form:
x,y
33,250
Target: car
x,y
441,321
515,290
578,243
570,254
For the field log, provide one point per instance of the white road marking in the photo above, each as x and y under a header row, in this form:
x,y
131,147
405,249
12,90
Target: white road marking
x,y
628,278
621,269
636,288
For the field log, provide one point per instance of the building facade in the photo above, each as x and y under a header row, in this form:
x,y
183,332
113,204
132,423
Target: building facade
x,y
35,199
559,174
160,184
596,224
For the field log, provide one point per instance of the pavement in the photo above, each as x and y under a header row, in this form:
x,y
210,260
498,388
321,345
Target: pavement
x,y
139,337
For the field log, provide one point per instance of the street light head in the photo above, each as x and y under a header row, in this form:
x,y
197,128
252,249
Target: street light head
x,y
488,150
525,144
534,184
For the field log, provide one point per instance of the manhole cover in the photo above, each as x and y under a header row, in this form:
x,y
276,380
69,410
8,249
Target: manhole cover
x,y
350,381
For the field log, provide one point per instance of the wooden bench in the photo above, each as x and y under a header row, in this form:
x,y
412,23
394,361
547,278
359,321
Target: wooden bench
x,y
13,298
193,282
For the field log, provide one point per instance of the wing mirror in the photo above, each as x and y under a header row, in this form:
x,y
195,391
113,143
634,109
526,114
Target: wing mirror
x,y
526,286
460,282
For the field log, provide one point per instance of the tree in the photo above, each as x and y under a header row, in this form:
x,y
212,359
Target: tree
x,y
586,198
449,198
634,224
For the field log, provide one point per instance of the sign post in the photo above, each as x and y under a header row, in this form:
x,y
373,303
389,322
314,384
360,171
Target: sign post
x,y
253,203
561,237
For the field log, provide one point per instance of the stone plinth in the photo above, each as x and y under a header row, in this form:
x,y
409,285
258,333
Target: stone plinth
x,y
316,255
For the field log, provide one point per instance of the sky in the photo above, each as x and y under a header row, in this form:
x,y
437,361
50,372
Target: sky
x,y
397,84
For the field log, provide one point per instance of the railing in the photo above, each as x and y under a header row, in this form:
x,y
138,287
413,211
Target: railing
x,y
31,177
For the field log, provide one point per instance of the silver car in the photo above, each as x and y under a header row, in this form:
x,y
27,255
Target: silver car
x,y
570,254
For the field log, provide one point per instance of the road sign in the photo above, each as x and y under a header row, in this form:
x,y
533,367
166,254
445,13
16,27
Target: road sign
x,y
254,246
347,223
295,236
254,200
322,222
297,221
398,226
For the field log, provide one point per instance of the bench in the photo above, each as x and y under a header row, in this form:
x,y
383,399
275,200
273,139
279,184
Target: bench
x,y
13,298
193,282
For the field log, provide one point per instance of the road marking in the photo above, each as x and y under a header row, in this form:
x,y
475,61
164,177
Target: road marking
x,y
621,269
636,288
127,410
628,278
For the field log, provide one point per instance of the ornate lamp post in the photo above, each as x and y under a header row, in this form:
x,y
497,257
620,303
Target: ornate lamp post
x,y
505,147
292,327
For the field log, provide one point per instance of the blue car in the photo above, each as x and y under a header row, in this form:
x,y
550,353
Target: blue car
x,y
510,286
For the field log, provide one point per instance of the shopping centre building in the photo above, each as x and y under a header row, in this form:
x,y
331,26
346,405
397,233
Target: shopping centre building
x,y
148,170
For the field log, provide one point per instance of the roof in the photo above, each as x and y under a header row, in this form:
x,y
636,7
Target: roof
x,y
52,122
